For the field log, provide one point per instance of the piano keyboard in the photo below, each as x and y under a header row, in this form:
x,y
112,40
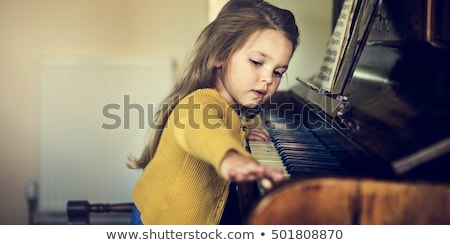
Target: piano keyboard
x,y
267,155
300,152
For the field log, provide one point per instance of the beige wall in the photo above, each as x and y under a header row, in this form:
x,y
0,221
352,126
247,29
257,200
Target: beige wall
x,y
32,29
314,20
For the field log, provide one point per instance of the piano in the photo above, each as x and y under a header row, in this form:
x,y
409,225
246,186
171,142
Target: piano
x,y
385,119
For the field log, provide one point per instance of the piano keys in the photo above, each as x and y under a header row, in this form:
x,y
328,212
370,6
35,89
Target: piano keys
x,y
297,152
309,147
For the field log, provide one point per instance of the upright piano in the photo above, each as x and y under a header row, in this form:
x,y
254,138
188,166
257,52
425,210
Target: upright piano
x,y
383,123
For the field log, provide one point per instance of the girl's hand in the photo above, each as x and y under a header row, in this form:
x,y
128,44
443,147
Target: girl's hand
x,y
257,134
239,168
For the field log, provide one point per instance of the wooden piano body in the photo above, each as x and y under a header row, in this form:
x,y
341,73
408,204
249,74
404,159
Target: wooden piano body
x,y
354,201
390,114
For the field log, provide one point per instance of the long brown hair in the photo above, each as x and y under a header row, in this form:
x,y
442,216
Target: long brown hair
x,y
236,21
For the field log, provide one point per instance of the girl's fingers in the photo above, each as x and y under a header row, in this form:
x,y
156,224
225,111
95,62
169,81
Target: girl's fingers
x,y
266,177
266,184
257,135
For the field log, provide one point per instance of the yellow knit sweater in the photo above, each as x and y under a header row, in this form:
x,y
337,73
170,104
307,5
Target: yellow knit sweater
x,y
182,184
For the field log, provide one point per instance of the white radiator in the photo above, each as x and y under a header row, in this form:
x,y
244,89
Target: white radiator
x,y
92,113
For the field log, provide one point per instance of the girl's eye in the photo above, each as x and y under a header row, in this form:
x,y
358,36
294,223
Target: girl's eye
x,y
256,63
278,74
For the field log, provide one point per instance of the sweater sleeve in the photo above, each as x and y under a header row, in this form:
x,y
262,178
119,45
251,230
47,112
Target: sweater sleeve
x,y
207,128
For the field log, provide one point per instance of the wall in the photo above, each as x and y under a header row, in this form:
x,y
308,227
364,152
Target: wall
x,y
314,21
34,29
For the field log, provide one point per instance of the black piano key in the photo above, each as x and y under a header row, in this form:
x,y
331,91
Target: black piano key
x,y
313,171
294,139
300,155
306,154
299,146
331,165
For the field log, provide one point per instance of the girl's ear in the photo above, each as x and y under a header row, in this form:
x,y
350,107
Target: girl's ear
x,y
218,64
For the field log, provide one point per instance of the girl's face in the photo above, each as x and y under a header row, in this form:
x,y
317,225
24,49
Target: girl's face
x,y
253,73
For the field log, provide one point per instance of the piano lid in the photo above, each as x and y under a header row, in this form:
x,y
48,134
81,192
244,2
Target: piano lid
x,y
396,102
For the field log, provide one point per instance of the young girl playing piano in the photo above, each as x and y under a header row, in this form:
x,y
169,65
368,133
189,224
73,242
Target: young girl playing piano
x,y
196,150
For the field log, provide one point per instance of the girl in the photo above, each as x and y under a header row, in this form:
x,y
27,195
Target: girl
x,y
196,150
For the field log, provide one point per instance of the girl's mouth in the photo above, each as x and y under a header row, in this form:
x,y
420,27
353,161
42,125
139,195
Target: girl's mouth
x,y
259,93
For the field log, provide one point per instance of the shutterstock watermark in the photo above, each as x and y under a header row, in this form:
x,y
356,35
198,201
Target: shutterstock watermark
x,y
120,115
130,115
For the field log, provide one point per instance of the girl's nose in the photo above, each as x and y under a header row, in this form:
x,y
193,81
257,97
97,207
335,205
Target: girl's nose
x,y
267,77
